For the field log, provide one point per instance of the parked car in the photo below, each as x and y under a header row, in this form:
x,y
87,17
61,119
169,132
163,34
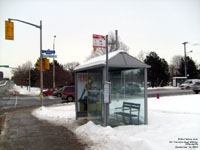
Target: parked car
x,y
68,93
49,92
58,93
188,84
196,87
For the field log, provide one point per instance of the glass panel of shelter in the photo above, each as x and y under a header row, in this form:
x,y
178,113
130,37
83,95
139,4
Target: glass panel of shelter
x,y
82,80
127,86
95,96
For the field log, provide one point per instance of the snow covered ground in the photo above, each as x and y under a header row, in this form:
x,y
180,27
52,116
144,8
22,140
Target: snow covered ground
x,y
23,90
174,123
163,88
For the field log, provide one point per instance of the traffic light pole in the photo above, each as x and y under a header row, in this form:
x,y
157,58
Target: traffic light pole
x,y
54,84
41,69
41,73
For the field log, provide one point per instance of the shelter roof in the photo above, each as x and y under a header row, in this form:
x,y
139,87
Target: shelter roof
x,y
118,59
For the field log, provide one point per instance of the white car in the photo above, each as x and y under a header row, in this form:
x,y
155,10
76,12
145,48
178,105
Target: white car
x,y
196,87
189,84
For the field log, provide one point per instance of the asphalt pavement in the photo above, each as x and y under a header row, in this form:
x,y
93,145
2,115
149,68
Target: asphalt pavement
x,y
23,131
12,101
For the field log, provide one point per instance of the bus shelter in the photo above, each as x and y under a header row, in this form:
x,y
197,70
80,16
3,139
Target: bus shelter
x,y
128,90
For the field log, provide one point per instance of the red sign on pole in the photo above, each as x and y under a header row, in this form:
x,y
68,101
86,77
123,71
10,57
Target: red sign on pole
x,y
99,41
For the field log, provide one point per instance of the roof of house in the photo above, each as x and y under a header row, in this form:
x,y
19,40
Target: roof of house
x,y
118,59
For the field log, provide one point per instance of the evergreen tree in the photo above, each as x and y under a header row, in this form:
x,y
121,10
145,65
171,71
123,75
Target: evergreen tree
x,y
158,74
192,69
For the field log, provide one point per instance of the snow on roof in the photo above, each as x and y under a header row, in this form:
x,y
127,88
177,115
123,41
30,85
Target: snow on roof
x,y
99,60
115,60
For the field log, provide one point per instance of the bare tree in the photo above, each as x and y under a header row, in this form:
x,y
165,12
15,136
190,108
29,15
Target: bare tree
x,y
20,74
176,60
142,55
175,64
70,67
111,48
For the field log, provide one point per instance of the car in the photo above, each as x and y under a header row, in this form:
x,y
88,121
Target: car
x,y
196,87
68,93
188,84
49,92
58,93
131,89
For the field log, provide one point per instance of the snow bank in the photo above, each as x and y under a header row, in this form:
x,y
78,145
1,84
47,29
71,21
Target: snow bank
x,y
57,114
170,119
23,90
163,88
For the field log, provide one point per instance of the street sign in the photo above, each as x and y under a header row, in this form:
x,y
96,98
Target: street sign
x,y
48,51
99,41
9,30
49,56
5,66
107,91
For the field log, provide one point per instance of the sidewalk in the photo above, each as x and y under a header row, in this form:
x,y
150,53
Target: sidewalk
x,y
22,131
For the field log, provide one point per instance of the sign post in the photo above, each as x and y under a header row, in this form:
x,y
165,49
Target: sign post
x,y
100,41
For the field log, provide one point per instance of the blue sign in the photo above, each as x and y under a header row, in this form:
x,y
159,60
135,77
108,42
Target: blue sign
x,y
48,51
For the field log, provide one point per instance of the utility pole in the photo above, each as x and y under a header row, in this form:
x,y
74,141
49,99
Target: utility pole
x,y
185,58
29,78
54,84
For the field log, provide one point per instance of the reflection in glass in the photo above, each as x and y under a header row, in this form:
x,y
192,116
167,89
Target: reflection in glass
x,y
127,86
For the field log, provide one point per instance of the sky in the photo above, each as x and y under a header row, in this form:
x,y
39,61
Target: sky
x,y
148,25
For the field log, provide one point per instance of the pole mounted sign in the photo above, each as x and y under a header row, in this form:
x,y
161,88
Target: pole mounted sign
x,y
4,66
48,51
99,41
49,56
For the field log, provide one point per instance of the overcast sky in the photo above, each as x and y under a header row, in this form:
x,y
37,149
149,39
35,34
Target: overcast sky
x,y
149,25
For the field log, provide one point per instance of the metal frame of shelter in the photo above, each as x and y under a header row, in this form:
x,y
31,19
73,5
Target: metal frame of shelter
x,y
117,60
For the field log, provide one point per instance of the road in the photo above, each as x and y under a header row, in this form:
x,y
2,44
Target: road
x,y
16,101
7,102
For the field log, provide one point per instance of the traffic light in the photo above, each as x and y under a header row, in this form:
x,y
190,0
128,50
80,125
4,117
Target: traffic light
x,y
9,30
45,64
38,65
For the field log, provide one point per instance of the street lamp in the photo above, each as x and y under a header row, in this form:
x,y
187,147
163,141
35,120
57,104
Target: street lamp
x,y
54,85
185,58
